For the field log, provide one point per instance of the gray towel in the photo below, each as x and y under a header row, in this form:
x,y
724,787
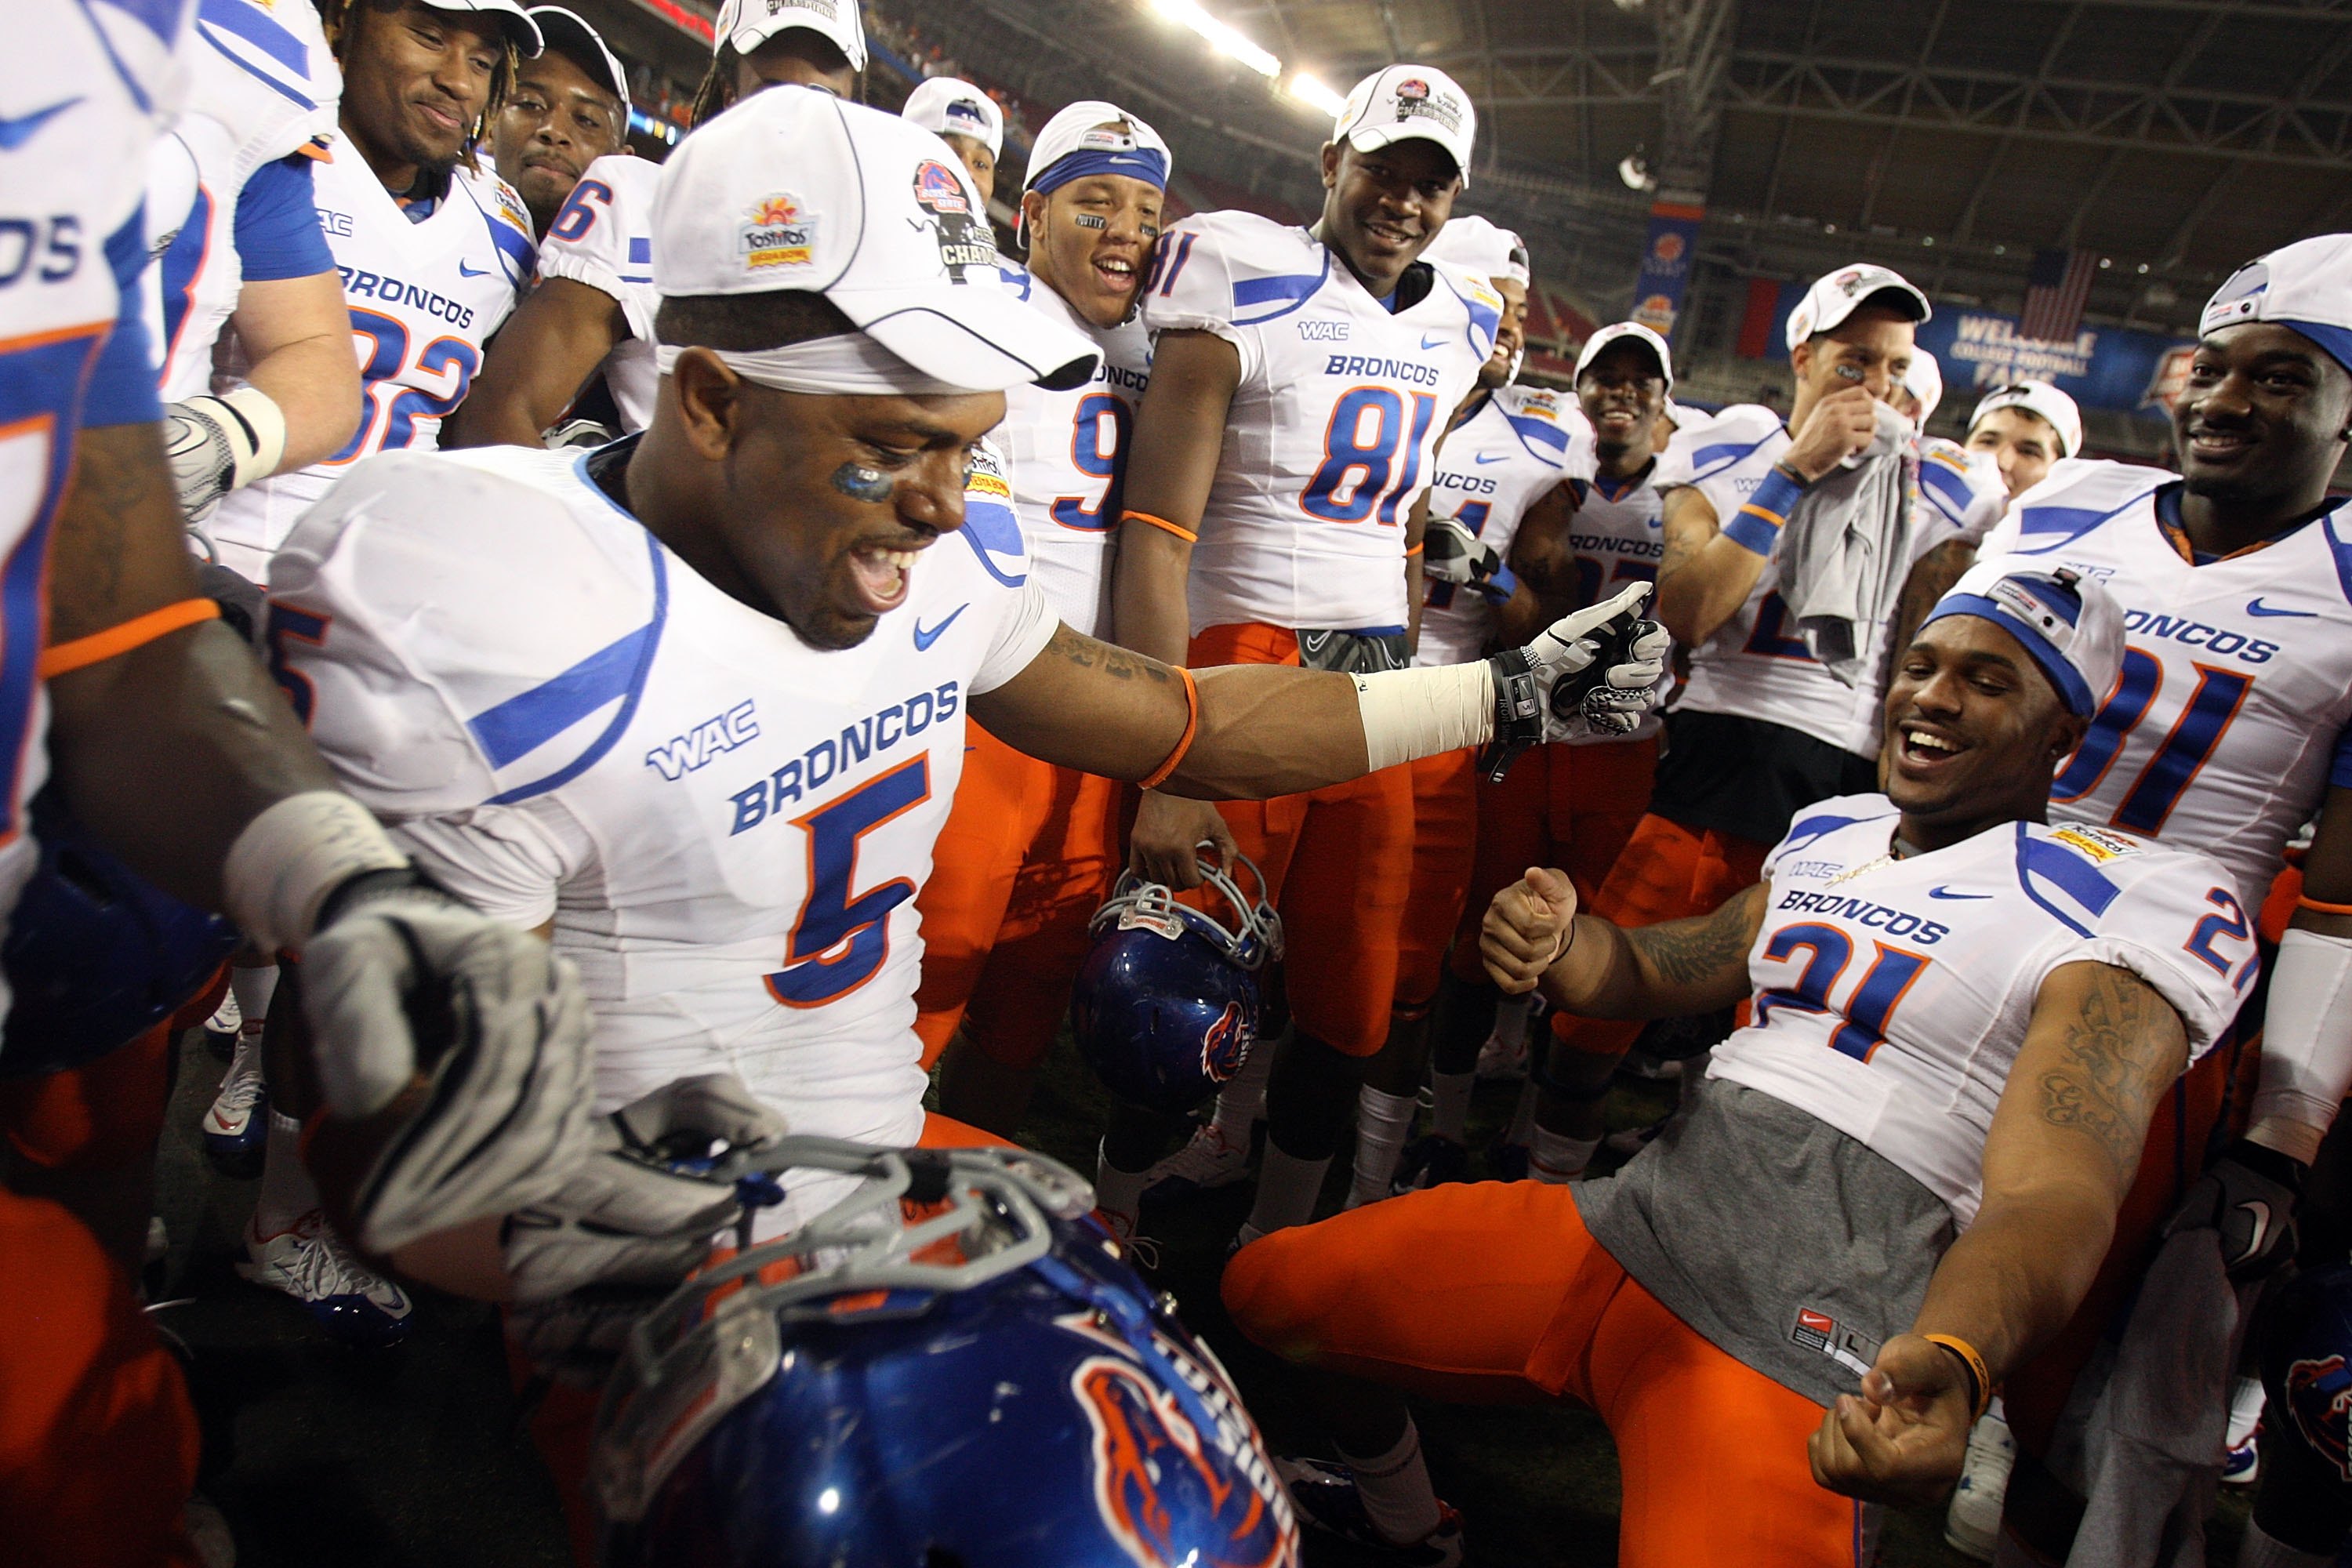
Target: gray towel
x,y
1845,551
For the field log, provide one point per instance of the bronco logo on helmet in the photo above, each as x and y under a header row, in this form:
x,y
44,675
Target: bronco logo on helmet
x,y
1153,1469
2319,1392
1227,1044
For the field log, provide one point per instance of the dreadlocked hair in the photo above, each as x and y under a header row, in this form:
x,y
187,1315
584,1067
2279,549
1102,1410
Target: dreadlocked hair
x,y
717,94
338,19
717,89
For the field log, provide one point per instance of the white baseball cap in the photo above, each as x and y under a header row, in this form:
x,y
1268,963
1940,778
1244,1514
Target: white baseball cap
x,y
1483,247
802,191
2306,285
1618,333
519,28
1086,139
1832,299
2066,621
2037,397
1924,382
1402,102
941,105
747,23
568,33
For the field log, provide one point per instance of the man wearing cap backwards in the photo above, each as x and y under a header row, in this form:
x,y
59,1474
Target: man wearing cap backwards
x,y
2027,425
2225,732
1030,850
1301,381
593,306
695,704
1904,1170
1762,729
966,120
569,107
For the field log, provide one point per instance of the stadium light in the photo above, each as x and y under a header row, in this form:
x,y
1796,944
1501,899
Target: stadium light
x,y
1316,93
1225,40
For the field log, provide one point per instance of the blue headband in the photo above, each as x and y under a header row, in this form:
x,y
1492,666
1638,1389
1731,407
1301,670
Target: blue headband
x,y
1146,163
2073,688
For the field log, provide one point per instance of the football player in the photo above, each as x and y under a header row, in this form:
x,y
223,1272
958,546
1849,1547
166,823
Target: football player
x,y
2027,426
596,299
966,120
117,678
1301,381
1030,850
1763,729
2226,731
1904,1170
570,107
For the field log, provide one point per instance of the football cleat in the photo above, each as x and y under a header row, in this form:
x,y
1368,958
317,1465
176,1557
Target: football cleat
x,y
1430,1161
309,1262
220,1030
2241,1465
1504,1058
1972,1524
236,1126
1208,1161
1141,1250
1326,1500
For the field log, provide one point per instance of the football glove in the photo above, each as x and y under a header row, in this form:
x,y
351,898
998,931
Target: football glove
x,y
412,996
579,433
641,1210
1452,554
220,444
2247,1196
1595,672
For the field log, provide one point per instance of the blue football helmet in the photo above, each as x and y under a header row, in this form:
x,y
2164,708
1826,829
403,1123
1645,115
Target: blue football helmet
x,y
2306,1356
1165,1007
956,1370
95,956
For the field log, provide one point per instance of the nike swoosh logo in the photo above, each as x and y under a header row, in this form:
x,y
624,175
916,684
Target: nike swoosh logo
x,y
1428,343
1946,892
2256,607
465,271
2262,1213
14,132
1485,457
924,639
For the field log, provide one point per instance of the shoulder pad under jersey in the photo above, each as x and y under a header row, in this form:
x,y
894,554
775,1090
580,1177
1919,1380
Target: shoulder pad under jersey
x,y
2076,496
264,73
1231,269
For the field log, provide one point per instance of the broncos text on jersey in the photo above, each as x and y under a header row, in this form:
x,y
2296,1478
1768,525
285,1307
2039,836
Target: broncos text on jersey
x,y
1494,465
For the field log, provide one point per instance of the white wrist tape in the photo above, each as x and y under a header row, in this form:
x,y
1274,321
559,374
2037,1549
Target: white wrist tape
x,y
258,455
1410,713
2306,1036
288,858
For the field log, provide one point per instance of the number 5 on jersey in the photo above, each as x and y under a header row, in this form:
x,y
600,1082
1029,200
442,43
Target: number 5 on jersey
x,y
842,938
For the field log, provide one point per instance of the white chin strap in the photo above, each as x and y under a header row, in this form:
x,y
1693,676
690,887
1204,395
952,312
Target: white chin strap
x,y
851,363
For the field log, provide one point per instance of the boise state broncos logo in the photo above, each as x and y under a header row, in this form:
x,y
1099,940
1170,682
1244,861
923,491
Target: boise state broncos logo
x,y
1226,1044
966,242
1170,1494
2319,1392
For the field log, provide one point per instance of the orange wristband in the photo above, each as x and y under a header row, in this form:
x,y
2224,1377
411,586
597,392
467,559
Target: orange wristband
x,y
1979,1375
62,658
2307,901
1191,727
1413,550
1186,535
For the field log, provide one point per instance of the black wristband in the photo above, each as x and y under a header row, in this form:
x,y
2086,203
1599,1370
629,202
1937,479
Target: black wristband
x,y
2269,1162
1519,713
1787,471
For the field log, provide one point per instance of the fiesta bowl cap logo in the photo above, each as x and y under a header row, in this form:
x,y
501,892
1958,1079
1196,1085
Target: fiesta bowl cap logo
x,y
1411,89
1226,1044
2319,1392
1165,1488
780,232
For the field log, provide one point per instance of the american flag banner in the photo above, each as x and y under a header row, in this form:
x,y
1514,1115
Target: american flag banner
x,y
2055,292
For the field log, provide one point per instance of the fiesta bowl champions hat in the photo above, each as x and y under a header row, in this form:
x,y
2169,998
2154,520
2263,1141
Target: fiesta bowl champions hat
x,y
520,30
945,106
2306,285
1477,246
2067,622
1402,102
2053,407
747,23
800,191
1618,333
1833,298
569,33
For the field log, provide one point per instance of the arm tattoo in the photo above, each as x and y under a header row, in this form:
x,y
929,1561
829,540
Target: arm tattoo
x,y
1685,534
2103,1087
1686,952
1087,653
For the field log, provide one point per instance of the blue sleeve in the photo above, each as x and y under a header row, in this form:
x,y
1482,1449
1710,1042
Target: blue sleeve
x,y
278,233
122,383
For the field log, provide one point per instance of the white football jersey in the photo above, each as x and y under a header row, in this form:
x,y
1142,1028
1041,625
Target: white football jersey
x,y
1757,664
424,297
1494,465
2230,720
1331,433
727,827
604,238
84,91
1068,456
262,86
1891,995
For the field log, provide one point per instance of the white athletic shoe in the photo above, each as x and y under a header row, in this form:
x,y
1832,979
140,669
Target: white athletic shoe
x,y
2241,1463
220,1030
237,1127
1973,1524
1208,1161
311,1263
1142,1249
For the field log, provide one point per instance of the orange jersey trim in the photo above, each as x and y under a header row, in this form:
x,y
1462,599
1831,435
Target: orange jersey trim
x,y
1159,774
65,657
1186,535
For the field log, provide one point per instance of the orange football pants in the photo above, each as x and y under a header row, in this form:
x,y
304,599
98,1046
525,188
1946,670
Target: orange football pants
x,y
1337,864
105,1114
1028,854
1445,811
1665,872
1496,1293
1569,807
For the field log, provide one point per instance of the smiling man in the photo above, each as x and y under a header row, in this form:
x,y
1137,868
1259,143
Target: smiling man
x,y
569,107
1964,1019
1302,380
